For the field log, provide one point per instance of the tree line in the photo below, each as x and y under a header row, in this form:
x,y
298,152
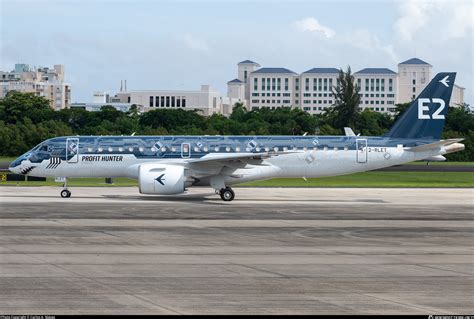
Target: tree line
x,y
26,120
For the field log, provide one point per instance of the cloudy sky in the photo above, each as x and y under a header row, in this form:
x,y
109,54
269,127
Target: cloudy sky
x,y
182,44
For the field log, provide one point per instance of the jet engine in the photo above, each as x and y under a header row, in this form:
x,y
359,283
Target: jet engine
x,y
161,179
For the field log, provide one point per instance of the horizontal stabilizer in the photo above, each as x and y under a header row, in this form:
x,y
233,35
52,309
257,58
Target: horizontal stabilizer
x,y
435,145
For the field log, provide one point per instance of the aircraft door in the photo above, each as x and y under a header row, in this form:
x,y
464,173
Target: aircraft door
x,y
361,151
72,150
185,150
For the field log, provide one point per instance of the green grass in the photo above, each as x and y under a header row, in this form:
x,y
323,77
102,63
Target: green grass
x,y
377,179
7,158
366,179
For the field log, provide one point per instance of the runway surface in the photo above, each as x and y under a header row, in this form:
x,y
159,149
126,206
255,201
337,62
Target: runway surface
x,y
272,250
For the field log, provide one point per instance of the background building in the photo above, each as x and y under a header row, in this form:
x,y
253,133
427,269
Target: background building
x,y
316,85
380,88
273,87
206,101
42,81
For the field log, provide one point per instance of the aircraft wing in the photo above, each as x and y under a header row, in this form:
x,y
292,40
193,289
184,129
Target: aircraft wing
x,y
243,157
349,131
435,145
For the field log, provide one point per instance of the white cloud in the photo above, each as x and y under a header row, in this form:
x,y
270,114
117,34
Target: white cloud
x,y
445,19
312,25
195,43
365,40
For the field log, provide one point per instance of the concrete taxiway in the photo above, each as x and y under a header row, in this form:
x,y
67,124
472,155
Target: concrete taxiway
x,y
272,250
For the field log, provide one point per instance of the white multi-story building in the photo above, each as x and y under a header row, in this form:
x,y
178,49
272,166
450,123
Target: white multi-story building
x,y
42,81
244,69
413,75
377,89
316,89
380,88
273,87
206,101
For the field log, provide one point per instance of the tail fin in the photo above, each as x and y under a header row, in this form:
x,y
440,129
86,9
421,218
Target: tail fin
x,y
426,115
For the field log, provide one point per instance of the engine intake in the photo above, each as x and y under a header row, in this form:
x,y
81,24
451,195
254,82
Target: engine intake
x,y
161,179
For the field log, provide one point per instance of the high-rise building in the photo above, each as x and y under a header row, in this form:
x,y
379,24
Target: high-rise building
x,y
42,81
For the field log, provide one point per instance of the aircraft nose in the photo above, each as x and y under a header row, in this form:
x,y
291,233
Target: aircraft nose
x,y
13,169
14,166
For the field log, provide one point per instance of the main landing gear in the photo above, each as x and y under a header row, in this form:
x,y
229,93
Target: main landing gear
x,y
65,193
227,194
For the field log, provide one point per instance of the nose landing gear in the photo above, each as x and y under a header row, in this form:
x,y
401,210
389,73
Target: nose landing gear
x,y
227,194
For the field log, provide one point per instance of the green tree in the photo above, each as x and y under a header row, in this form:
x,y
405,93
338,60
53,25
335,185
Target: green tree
x,y
347,100
16,105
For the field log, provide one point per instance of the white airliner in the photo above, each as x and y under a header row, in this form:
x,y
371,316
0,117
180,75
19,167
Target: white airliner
x,y
170,164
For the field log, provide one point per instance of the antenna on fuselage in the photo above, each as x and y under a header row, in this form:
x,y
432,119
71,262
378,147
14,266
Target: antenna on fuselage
x,y
133,134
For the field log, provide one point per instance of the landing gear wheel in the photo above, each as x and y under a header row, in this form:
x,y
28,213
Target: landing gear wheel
x,y
65,193
227,194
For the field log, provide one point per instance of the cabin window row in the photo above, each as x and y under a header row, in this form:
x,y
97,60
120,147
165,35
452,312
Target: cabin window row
x,y
215,149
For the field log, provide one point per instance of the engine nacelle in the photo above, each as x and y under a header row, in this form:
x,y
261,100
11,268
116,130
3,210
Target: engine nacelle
x,y
161,179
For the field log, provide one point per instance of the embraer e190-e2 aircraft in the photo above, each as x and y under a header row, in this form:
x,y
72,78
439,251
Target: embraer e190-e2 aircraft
x,y
169,164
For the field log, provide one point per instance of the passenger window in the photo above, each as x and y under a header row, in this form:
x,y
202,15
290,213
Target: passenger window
x,y
335,149
216,149
130,149
237,149
110,149
275,149
99,150
163,149
227,149
346,148
120,149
